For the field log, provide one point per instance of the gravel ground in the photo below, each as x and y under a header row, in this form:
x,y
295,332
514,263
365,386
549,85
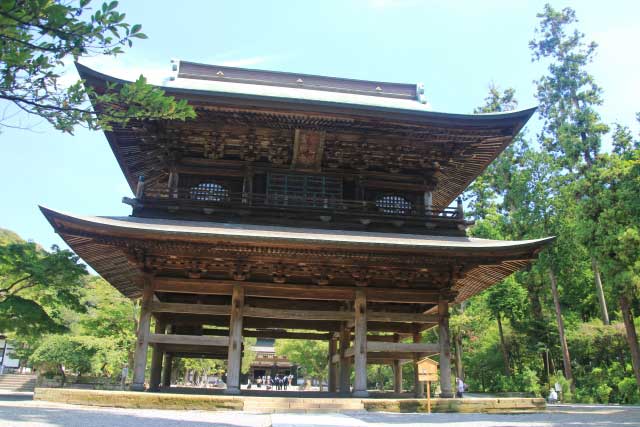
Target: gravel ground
x,y
21,411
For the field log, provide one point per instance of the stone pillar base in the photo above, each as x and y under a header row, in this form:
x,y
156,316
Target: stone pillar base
x,y
232,391
360,393
137,387
446,395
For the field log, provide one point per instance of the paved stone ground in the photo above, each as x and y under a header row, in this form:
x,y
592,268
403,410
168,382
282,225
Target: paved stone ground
x,y
21,411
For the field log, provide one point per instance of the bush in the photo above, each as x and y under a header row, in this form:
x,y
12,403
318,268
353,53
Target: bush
x,y
628,390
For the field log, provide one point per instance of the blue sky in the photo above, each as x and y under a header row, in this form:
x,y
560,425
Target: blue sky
x,y
456,48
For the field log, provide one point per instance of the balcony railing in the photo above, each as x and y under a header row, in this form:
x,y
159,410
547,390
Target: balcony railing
x,y
208,201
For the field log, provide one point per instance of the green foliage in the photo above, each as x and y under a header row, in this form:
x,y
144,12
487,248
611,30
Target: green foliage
x,y
37,288
309,355
73,354
39,37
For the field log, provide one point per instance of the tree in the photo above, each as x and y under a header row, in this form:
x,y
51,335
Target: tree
x,y
310,355
110,316
64,353
39,37
610,211
37,288
568,95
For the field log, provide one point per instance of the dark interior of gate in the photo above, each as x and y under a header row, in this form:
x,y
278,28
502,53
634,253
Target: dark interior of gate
x,y
302,207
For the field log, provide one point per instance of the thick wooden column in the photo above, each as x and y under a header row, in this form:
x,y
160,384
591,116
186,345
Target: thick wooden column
x,y
142,343
360,345
445,350
234,359
397,371
156,360
167,368
333,371
345,362
418,386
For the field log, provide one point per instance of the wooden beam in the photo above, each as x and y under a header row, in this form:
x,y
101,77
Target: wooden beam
x,y
267,313
399,347
295,291
312,325
209,309
204,340
272,334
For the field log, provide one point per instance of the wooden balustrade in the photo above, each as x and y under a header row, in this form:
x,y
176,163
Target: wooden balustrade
x,y
207,198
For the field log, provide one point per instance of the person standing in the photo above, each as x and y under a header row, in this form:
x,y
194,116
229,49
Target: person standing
x,y
123,376
459,387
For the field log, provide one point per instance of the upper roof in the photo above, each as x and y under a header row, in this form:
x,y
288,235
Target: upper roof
x,y
399,131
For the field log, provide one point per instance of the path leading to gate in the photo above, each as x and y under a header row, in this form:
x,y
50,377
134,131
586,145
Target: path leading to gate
x,y
21,411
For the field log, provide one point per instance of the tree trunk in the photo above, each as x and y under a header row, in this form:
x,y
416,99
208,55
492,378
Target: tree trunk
x,y
505,353
603,303
632,336
566,358
458,344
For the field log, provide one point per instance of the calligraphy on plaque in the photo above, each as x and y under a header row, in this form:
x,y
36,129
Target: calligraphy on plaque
x,y
307,149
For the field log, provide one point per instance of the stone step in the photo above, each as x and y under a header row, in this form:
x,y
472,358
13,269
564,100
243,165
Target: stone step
x,y
302,405
15,382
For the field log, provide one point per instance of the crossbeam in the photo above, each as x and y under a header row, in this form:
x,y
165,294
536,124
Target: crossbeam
x,y
294,291
399,347
189,340
267,313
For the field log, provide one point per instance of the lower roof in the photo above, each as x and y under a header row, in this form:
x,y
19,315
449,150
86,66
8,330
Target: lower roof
x,y
82,234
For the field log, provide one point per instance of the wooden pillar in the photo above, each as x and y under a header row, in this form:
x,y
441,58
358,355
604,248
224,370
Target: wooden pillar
x,y
445,350
333,371
156,360
173,184
397,371
345,362
360,345
418,386
142,343
428,203
234,359
167,368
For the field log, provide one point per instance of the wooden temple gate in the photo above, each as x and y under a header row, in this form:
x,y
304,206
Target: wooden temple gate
x,y
275,214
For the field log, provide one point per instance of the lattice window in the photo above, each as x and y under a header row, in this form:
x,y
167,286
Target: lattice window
x,y
394,205
304,190
209,191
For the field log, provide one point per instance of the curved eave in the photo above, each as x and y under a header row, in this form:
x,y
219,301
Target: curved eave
x,y
497,259
414,115
211,233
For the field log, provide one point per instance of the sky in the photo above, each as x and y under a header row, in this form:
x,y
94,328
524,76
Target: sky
x,y
456,48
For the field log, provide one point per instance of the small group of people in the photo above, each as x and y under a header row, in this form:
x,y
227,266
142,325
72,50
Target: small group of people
x,y
279,382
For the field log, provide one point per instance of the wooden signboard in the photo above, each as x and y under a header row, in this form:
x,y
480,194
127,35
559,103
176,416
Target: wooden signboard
x,y
427,372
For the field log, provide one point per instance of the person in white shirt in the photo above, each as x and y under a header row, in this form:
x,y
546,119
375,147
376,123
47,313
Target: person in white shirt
x,y
459,387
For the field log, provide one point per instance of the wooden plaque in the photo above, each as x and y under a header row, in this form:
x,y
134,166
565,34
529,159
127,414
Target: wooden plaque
x,y
427,370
